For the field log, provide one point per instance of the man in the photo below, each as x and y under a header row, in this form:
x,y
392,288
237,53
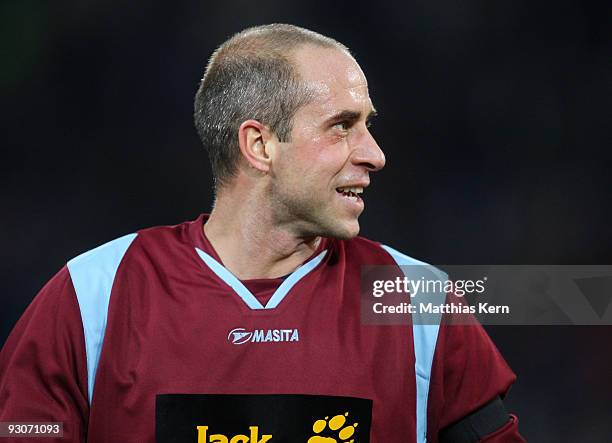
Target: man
x,y
244,326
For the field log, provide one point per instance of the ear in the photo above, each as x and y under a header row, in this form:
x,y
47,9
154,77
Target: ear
x,y
255,140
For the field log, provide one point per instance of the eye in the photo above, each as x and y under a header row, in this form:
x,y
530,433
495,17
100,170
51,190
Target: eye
x,y
342,125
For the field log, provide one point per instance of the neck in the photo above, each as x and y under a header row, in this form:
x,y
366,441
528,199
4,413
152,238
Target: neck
x,y
250,243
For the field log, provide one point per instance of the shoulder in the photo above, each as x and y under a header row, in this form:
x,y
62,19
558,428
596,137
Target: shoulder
x,y
374,248
371,252
103,257
107,257
94,272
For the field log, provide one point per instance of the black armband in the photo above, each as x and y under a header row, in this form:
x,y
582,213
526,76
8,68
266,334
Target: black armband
x,y
477,425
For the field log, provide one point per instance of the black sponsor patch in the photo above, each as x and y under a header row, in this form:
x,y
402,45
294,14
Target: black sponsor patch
x,y
204,418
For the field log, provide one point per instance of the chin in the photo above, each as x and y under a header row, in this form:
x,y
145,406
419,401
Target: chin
x,y
344,231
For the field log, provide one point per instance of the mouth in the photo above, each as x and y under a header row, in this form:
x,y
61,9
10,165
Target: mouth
x,y
352,193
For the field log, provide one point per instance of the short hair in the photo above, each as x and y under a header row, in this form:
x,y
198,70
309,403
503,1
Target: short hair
x,y
251,76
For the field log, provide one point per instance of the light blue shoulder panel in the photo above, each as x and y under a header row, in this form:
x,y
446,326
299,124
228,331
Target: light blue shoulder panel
x,y
92,274
424,331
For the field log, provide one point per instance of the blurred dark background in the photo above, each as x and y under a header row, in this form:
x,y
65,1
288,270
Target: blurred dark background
x,y
494,115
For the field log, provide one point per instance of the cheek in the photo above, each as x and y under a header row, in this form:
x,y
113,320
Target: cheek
x,y
332,159
313,162
325,153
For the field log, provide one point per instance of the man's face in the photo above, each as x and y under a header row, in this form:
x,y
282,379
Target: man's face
x,y
318,177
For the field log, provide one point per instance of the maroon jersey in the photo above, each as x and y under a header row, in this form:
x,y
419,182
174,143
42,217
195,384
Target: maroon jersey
x,y
149,338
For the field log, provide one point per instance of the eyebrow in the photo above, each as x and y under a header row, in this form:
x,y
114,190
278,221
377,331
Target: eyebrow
x,y
350,116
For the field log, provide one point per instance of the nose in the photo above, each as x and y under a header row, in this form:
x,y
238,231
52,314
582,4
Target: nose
x,y
369,154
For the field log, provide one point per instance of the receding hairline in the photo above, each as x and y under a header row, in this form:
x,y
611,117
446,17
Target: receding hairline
x,y
277,40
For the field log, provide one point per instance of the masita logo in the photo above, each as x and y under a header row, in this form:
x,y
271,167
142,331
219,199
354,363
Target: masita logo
x,y
239,336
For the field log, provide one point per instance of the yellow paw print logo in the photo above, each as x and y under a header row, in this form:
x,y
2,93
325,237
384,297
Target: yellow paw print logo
x,y
336,425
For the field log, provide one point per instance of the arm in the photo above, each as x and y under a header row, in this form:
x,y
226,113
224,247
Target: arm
x,y
469,380
43,369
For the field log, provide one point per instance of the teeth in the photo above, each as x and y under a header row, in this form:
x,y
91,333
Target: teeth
x,y
352,189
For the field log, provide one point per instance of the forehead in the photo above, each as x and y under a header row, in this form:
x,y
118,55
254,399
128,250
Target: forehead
x,y
335,79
